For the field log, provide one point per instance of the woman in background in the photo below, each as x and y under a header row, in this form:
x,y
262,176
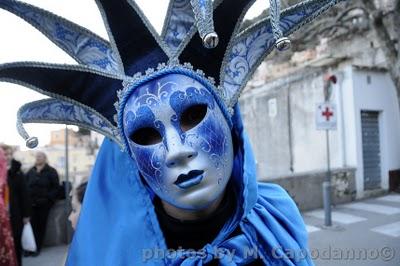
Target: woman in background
x,y
19,201
7,251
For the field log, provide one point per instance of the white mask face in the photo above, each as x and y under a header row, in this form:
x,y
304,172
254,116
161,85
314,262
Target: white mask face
x,y
180,140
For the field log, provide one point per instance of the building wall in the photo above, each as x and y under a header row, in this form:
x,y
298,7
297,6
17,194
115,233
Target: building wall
x,y
375,91
288,143
58,137
309,144
285,141
268,134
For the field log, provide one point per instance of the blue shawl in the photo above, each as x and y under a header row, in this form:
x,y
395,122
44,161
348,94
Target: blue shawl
x,y
118,224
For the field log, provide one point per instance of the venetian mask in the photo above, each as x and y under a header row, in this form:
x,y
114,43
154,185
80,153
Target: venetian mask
x,y
180,139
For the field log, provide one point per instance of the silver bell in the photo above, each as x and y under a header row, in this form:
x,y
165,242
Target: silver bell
x,y
210,40
32,142
283,44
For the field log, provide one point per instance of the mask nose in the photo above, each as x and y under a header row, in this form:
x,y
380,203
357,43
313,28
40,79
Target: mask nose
x,y
179,157
178,153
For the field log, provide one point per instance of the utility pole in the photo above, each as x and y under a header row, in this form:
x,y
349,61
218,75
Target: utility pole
x,y
326,120
67,186
327,186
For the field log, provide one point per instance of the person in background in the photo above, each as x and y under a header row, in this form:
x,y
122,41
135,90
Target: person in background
x,y
77,199
7,251
43,184
19,202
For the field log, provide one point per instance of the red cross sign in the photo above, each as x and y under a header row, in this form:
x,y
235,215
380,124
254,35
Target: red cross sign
x,y
327,113
326,116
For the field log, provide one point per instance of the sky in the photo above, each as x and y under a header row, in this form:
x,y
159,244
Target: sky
x,y
21,42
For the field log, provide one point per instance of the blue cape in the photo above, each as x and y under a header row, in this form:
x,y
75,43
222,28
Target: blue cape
x,y
118,224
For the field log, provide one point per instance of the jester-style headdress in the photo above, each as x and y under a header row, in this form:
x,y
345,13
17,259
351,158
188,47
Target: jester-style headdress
x,y
201,38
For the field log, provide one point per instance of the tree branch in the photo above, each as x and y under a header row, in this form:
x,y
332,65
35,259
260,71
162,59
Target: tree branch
x,y
388,45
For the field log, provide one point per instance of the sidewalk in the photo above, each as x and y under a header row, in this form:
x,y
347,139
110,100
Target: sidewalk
x,y
363,233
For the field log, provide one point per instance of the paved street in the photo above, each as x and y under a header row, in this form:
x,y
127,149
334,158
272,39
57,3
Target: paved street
x,y
54,256
364,233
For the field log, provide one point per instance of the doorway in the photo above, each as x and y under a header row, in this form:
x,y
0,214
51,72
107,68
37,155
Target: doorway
x,y
371,149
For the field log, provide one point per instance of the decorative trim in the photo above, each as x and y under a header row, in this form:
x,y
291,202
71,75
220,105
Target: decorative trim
x,y
203,14
20,127
275,15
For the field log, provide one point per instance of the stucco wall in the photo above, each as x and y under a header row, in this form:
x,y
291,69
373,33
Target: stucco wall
x,y
285,141
288,142
375,91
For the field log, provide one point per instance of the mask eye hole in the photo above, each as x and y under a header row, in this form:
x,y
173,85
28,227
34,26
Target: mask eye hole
x,y
146,136
192,116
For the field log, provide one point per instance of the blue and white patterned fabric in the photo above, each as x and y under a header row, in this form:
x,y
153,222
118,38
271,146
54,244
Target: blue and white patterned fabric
x,y
82,45
178,23
62,112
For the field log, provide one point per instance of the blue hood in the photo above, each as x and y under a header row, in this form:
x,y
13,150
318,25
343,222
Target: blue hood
x,y
118,224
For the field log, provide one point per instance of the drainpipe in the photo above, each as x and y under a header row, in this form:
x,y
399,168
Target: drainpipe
x,y
67,188
340,76
290,132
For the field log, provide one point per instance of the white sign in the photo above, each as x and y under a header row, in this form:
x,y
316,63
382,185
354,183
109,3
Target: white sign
x,y
326,116
272,107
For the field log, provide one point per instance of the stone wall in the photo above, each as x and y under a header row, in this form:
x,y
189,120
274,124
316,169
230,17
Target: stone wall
x,y
306,189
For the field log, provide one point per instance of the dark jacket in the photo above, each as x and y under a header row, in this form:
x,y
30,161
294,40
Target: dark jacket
x,y
43,186
20,204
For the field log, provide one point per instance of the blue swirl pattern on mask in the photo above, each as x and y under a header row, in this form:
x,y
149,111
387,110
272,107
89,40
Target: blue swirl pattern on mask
x,y
180,100
143,117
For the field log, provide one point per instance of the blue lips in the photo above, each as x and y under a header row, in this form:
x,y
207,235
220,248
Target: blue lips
x,y
191,179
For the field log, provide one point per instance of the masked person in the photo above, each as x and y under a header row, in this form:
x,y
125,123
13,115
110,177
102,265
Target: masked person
x,y
183,190
43,185
19,201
